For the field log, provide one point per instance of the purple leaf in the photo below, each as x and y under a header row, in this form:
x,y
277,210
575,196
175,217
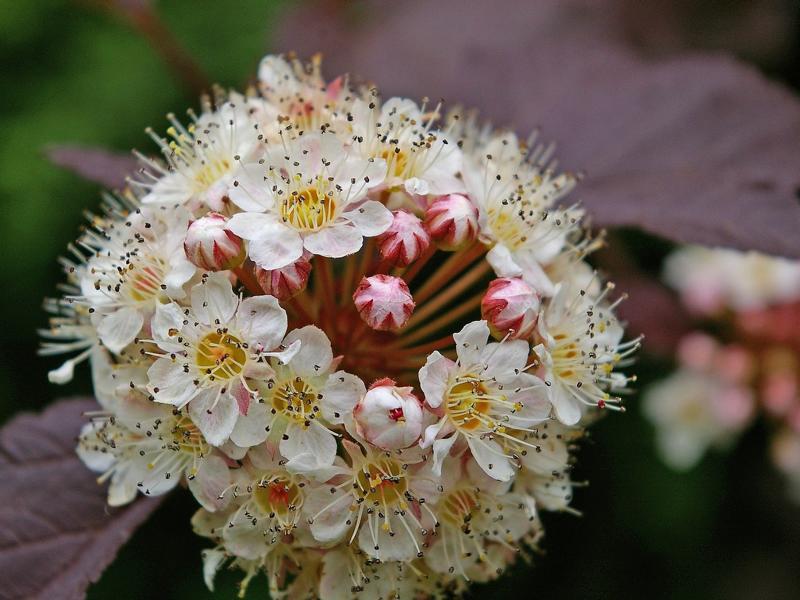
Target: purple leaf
x,y
95,164
698,148
56,533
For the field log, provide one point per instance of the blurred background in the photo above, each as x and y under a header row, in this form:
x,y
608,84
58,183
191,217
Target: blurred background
x,y
84,73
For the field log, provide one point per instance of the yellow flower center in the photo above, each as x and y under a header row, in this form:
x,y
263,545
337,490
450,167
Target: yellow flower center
x,y
308,209
507,227
210,171
382,483
456,508
468,403
187,437
296,399
396,162
278,496
221,356
143,279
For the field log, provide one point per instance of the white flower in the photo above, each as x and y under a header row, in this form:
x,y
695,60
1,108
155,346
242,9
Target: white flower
x,y
300,400
298,94
378,498
712,279
137,264
200,158
473,511
209,351
483,397
581,346
146,447
690,410
516,194
308,194
348,573
420,160
266,505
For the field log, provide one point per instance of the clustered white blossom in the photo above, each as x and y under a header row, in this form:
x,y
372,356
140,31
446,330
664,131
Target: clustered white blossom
x,y
292,312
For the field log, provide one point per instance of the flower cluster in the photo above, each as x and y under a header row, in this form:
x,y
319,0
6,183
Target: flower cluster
x,y
748,365
363,333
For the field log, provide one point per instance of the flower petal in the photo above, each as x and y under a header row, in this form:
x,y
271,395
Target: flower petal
x,y
490,457
262,321
315,355
276,246
170,383
213,300
470,342
371,218
314,440
441,448
507,360
215,415
120,328
211,479
434,378
567,407
334,241
251,429
340,396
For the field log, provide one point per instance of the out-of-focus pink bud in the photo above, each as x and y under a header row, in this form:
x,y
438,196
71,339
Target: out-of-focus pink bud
x,y
405,240
285,283
388,416
384,302
511,307
697,351
210,245
452,221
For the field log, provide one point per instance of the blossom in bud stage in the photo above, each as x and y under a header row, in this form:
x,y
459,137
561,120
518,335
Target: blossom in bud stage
x,y
224,363
405,240
388,416
210,245
452,221
511,308
384,302
286,282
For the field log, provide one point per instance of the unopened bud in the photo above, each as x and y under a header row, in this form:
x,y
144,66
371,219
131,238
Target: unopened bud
x,y
511,307
285,283
384,302
452,221
388,416
405,240
210,245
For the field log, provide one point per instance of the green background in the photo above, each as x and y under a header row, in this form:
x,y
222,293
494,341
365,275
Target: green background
x,y
72,73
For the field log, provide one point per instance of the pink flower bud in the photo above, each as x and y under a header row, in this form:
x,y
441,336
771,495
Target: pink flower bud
x,y
405,240
210,245
384,302
388,416
288,281
452,221
511,306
